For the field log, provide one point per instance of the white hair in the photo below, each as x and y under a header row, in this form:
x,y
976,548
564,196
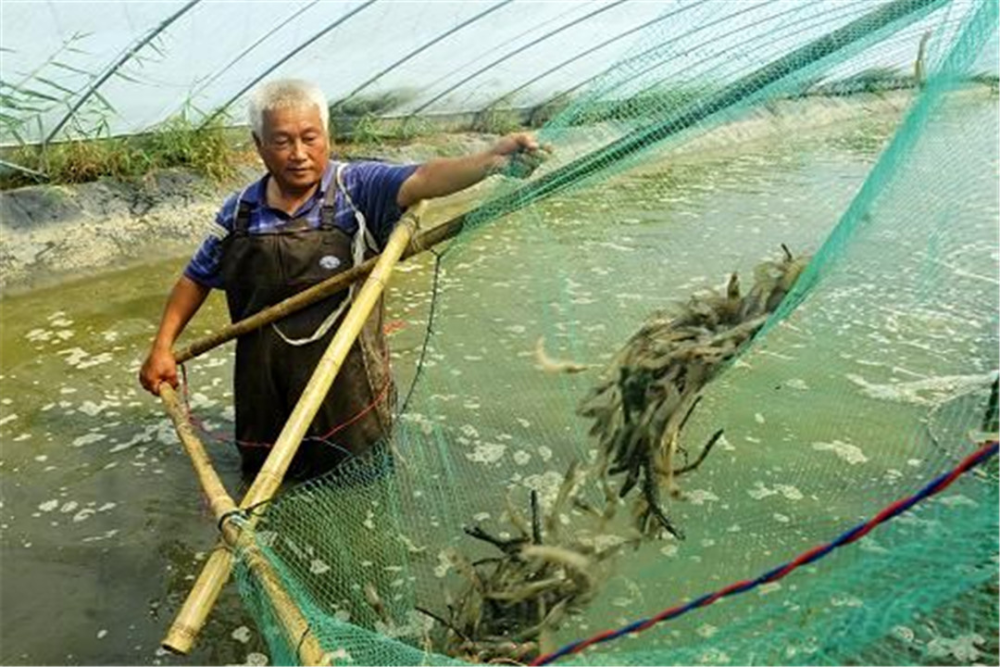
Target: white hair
x,y
284,93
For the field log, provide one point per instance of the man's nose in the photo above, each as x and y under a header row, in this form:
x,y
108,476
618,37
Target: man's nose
x,y
298,149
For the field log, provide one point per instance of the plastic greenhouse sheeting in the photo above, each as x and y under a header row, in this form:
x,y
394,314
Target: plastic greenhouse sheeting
x,y
123,67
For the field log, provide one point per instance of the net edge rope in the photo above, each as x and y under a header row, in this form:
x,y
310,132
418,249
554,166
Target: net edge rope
x,y
980,456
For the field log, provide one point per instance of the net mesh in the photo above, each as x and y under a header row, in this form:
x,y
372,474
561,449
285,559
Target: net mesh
x,y
684,162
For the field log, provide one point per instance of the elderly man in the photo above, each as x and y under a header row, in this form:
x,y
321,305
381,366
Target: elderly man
x,y
307,219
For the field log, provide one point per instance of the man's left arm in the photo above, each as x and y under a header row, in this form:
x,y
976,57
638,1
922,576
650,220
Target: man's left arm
x,y
444,176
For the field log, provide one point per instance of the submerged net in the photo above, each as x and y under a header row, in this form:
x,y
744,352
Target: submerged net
x,y
695,157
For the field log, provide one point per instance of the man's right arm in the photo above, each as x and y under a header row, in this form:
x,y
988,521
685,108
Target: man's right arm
x,y
200,276
185,300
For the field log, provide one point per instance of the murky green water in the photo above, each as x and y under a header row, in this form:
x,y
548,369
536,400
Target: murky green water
x,y
103,525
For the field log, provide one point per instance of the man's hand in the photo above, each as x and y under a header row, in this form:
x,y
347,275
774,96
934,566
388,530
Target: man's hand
x,y
514,155
519,154
185,300
159,367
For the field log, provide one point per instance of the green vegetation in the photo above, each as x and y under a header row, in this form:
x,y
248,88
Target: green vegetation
x,y
371,130
987,79
654,102
363,105
549,110
871,80
365,120
209,149
498,118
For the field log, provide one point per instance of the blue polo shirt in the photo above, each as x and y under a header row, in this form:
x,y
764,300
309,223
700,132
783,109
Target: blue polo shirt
x,y
373,187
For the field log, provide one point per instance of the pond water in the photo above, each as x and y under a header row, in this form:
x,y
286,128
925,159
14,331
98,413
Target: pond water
x,y
102,522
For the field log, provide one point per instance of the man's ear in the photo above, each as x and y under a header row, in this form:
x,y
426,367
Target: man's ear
x,y
256,140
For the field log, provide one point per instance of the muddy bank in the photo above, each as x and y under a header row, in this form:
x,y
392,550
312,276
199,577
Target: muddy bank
x,y
49,234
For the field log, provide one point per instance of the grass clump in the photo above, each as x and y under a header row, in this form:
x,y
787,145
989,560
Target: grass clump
x,y
378,104
371,131
207,149
498,118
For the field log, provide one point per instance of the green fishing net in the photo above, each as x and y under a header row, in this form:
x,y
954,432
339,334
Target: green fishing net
x,y
696,156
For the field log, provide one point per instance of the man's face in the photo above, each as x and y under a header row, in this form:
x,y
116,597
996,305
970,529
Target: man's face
x,y
294,147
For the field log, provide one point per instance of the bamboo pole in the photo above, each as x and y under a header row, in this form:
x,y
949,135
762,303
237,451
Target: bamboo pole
x,y
419,243
218,498
196,608
289,616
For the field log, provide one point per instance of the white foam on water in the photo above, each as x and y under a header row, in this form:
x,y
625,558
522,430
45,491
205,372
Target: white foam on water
x,y
852,454
707,630
486,453
165,433
241,634
98,538
957,500
546,484
316,566
760,491
49,505
92,409
669,550
39,335
700,496
83,515
767,589
87,439
200,400
145,436
789,492
929,391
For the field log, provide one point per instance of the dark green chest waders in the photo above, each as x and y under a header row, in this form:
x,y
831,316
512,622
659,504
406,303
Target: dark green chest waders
x,y
274,363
